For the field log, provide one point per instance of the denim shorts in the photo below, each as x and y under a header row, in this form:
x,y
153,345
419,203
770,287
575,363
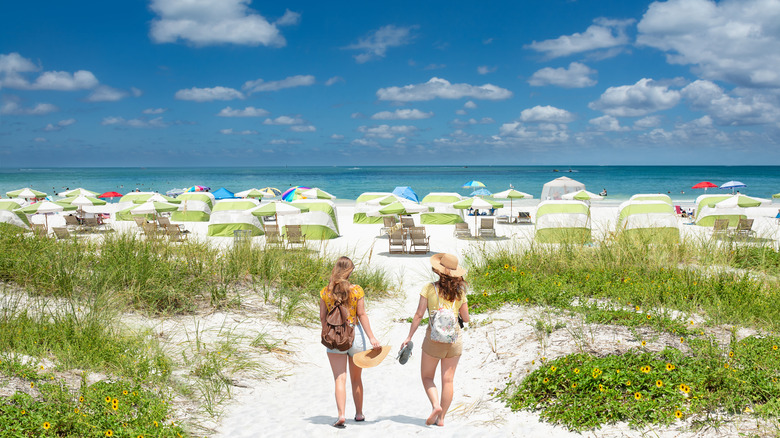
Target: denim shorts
x,y
358,344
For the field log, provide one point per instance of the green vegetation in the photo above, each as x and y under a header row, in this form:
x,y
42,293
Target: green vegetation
x,y
654,287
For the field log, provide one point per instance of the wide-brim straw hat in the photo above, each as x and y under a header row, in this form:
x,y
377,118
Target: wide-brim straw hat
x,y
447,264
371,358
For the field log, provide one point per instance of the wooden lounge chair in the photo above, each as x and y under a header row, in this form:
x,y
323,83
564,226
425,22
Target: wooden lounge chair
x,y
140,221
272,236
295,236
720,227
61,233
72,222
462,230
407,221
164,223
150,230
523,217
39,230
389,222
744,228
91,224
503,219
420,243
397,241
486,228
175,234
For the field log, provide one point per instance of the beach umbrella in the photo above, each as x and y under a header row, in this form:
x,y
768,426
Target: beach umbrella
x,y
155,197
294,193
45,208
386,200
251,193
582,195
511,194
742,201
81,201
278,208
473,185
270,192
26,193
481,192
199,189
11,204
733,185
704,185
406,192
399,208
110,195
154,207
78,192
477,204
175,192
776,195
223,193
316,193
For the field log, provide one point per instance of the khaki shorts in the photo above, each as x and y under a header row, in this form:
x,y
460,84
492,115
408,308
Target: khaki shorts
x,y
442,350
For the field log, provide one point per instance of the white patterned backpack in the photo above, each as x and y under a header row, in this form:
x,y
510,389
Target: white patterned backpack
x,y
443,321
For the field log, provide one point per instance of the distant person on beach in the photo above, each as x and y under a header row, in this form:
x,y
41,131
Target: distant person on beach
x,y
603,192
446,294
351,295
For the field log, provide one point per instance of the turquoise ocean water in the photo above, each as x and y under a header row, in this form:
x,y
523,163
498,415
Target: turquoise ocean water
x,y
348,182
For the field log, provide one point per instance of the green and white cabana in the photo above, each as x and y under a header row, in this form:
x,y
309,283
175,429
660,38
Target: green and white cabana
x,y
362,206
731,208
641,197
708,201
235,205
136,197
194,207
443,212
653,220
562,222
229,215
9,216
320,222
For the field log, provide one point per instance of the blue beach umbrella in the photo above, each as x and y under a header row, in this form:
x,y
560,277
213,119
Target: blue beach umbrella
x,y
733,185
481,192
407,193
473,185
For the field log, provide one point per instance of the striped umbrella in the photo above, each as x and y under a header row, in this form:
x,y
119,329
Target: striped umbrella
x,y
26,193
270,192
78,192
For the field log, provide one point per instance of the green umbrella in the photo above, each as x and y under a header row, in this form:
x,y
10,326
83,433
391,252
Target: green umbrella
x,y
741,201
81,201
155,197
26,193
45,208
399,208
317,193
252,193
78,192
152,207
477,204
776,195
582,195
277,208
511,194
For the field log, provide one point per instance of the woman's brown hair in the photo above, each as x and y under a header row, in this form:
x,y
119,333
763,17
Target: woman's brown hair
x,y
450,288
339,284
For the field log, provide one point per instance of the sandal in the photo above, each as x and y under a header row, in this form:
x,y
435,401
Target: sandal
x,y
405,353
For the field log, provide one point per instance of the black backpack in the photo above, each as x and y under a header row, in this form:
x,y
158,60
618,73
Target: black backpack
x,y
338,334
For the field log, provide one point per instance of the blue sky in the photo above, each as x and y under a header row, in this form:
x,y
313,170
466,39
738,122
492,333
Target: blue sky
x,y
235,82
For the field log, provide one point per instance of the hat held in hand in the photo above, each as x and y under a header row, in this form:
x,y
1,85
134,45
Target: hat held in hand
x,y
371,358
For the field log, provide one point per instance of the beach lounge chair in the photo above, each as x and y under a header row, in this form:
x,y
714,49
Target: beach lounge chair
x,y
503,219
389,222
486,228
744,228
175,234
140,221
407,221
295,236
420,243
523,217
39,230
150,230
720,227
397,241
164,223
72,222
462,230
61,233
91,224
272,236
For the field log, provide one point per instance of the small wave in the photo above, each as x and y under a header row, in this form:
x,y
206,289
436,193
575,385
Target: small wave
x,y
354,168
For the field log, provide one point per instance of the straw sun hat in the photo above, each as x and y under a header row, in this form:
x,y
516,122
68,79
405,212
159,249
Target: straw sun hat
x,y
447,264
371,358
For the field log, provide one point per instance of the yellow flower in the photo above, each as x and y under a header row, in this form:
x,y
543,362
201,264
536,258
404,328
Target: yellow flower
x,y
514,269
552,368
576,371
114,401
628,383
46,425
682,340
731,354
669,367
108,399
644,343
574,385
484,294
156,424
545,380
76,410
109,432
678,414
32,384
124,392
506,266
646,369
649,317
685,388
140,436
659,383
726,365
114,406
601,388
638,396
774,347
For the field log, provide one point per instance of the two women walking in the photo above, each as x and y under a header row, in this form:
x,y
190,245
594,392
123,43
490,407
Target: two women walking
x,y
445,300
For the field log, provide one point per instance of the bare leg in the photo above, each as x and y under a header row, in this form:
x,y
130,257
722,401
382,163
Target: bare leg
x,y
448,366
355,374
428,365
338,364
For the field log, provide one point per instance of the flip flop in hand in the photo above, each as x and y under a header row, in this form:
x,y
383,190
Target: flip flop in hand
x,y
405,353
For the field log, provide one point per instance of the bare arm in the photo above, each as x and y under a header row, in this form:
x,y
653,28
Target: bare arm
x,y
363,318
323,312
464,312
418,316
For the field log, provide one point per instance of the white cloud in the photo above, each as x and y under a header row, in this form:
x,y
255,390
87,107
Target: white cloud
x,y
472,121
136,92
334,80
210,22
40,140
640,99
576,76
104,93
260,85
12,107
484,69
375,45
364,142
154,110
230,131
753,108
284,120
435,66
461,112
402,114
470,105
517,131
59,125
157,122
303,128
608,124
15,63
337,137
603,34
647,122
386,131
546,114
208,94
249,111
278,141
732,40
437,88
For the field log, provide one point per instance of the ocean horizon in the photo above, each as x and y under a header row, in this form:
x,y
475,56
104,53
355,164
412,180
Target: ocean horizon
x,y
348,182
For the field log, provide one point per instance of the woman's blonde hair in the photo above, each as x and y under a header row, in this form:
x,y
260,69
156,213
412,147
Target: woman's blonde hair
x,y
450,288
339,284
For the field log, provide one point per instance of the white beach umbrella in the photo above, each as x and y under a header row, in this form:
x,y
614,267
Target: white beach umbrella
x,y
156,197
477,204
582,195
317,193
45,208
26,193
81,201
399,208
511,194
78,192
278,208
252,193
151,207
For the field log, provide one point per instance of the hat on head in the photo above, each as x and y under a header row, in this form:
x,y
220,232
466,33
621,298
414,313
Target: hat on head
x,y
371,358
447,264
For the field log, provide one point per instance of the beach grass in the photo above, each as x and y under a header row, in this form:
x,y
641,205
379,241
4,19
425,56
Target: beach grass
x,y
63,305
658,287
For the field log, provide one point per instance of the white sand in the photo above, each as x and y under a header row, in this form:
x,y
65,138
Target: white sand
x,y
299,399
